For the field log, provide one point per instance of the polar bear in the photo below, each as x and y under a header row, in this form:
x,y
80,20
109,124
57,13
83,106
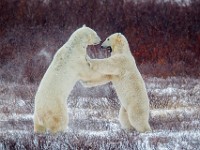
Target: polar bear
x,y
127,81
68,66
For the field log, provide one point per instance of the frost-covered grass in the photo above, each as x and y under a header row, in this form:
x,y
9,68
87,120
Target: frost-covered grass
x,y
93,112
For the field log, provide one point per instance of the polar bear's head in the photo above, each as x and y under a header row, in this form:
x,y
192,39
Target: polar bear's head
x,y
115,43
88,36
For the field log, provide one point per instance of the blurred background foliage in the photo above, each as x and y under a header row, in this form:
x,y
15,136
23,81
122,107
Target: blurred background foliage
x,y
164,36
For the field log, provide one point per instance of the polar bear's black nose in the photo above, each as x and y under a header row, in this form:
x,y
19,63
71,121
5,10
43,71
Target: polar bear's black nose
x,y
103,47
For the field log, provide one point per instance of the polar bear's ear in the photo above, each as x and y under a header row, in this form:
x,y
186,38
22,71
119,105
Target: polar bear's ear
x,y
119,38
84,25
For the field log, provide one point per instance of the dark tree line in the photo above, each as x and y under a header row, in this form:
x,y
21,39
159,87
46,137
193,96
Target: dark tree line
x,y
62,13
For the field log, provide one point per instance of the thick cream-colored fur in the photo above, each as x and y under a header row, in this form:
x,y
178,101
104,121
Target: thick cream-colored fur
x,y
68,66
128,82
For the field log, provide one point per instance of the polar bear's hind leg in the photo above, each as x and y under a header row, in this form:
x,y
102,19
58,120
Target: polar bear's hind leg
x,y
37,127
123,119
138,121
58,123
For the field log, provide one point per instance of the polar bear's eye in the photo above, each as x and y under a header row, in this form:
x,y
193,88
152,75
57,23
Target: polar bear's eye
x,y
108,39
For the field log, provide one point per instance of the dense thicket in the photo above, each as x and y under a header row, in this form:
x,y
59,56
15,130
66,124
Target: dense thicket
x,y
161,34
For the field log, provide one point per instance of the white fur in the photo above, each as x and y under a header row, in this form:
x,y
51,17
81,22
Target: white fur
x,y
68,66
128,82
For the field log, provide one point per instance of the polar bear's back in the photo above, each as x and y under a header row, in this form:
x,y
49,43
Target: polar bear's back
x,y
60,71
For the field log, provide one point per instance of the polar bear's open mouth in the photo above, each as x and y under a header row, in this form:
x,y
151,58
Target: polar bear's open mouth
x,y
109,49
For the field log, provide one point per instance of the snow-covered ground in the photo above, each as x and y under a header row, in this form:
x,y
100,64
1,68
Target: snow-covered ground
x,y
174,118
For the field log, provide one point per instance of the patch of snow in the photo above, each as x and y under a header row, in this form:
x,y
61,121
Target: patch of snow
x,y
171,112
21,103
19,132
197,89
94,133
115,127
169,91
1,146
35,141
15,116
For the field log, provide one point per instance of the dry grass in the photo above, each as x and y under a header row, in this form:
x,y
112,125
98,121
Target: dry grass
x,y
93,115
